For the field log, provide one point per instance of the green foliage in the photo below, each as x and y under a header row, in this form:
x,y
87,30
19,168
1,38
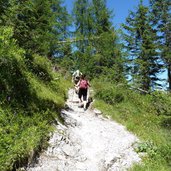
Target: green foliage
x,y
161,103
81,18
110,95
11,63
41,67
143,58
24,130
38,25
113,92
147,147
98,51
20,135
161,19
31,100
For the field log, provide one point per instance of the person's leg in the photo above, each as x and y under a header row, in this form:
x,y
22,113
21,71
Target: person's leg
x,y
84,104
85,98
80,94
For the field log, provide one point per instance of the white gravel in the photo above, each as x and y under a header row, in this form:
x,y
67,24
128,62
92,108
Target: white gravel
x,y
88,142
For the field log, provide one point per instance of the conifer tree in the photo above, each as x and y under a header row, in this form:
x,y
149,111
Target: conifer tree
x,y
99,52
102,16
80,15
38,25
61,23
161,17
4,4
141,43
106,46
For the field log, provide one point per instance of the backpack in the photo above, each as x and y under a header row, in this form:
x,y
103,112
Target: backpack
x,y
83,84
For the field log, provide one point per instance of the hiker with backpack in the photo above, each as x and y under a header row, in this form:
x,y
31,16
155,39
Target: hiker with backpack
x,y
75,79
76,76
83,85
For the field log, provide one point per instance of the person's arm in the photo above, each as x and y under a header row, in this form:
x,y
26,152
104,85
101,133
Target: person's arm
x,y
88,83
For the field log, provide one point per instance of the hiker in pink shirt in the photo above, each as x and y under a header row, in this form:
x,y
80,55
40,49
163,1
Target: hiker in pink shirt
x,y
83,85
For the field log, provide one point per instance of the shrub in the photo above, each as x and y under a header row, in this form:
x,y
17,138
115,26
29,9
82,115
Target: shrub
x,y
147,147
12,65
41,67
30,101
110,96
161,103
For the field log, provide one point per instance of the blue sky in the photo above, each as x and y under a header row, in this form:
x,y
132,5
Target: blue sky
x,y
120,8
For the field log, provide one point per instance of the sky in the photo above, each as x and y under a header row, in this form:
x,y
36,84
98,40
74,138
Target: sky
x,y
120,10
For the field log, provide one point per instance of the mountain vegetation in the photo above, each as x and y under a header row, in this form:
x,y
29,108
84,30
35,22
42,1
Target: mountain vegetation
x,y
41,44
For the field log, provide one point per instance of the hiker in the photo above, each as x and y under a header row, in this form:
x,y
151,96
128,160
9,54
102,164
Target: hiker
x,y
75,79
83,85
76,76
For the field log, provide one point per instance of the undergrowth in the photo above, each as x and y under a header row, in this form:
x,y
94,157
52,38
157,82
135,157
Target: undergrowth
x,y
148,116
32,97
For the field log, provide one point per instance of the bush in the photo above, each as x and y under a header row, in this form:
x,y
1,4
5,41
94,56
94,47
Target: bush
x,y
12,66
111,93
40,66
161,103
110,96
147,147
30,101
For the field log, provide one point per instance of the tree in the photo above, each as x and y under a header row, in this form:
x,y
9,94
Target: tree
x,y
38,25
108,51
161,17
62,21
80,15
4,4
142,47
102,17
98,50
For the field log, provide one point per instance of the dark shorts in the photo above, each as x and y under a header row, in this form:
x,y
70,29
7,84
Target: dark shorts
x,y
82,92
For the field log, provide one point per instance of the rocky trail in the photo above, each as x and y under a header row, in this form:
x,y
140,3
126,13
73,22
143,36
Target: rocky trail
x,y
87,142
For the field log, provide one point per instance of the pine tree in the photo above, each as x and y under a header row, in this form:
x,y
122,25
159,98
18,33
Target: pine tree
x,y
141,43
38,25
61,23
102,16
161,17
98,52
84,31
108,54
4,5
80,15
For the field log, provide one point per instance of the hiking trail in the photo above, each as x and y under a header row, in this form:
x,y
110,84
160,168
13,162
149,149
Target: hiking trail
x,y
87,142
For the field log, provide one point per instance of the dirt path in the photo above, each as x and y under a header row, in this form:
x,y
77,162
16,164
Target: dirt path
x,y
87,143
